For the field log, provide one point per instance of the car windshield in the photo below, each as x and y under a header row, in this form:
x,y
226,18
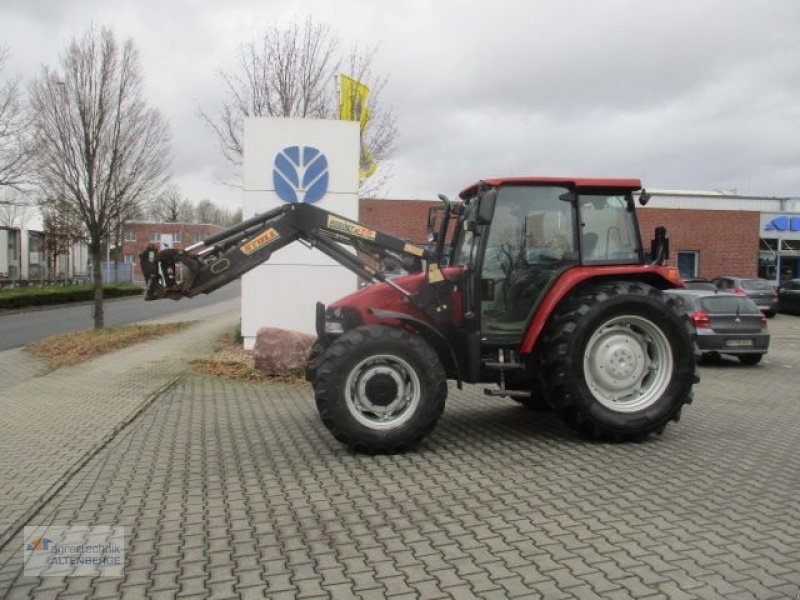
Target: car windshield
x,y
756,284
728,305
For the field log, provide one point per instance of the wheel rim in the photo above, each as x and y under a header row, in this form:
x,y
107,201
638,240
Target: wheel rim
x,y
382,391
628,363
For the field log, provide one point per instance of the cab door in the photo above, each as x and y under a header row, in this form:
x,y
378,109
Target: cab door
x,y
531,241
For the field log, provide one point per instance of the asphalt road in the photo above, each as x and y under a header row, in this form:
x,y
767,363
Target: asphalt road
x,y
19,328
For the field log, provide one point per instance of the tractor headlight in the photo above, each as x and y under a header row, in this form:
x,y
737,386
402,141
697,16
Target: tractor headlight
x,y
339,319
334,327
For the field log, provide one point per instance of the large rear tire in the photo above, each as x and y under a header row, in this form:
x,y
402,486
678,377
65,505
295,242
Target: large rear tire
x,y
619,360
380,389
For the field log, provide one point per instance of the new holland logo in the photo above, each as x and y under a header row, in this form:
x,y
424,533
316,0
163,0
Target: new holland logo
x,y
300,174
783,224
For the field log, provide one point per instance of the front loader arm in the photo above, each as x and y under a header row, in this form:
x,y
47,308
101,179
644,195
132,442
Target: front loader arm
x,y
229,254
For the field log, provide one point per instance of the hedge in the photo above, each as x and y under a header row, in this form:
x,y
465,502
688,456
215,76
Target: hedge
x,y
28,296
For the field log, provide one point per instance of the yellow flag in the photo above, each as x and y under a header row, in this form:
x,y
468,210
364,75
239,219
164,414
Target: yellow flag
x,y
353,107
353,101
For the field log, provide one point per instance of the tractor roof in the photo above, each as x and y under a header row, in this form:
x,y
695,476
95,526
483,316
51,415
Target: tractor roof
x,y
579,183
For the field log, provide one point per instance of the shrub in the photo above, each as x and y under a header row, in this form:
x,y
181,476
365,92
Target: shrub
x,y
43,296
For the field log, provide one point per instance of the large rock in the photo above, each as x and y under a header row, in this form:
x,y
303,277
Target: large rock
x,y
279,351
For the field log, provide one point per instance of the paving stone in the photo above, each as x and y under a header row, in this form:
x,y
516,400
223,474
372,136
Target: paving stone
x,y
233,489
52,404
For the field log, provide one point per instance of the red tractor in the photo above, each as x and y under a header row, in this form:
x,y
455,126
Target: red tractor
x,y
539,285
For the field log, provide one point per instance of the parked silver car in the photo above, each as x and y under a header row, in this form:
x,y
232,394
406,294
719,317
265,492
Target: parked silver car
x,y
725,324
760,291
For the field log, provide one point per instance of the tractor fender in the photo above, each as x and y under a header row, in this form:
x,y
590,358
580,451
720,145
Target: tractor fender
x,y
658,276
431,335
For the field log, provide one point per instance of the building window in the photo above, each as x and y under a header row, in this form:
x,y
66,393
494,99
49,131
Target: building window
x,y
130,235
155,236
13,244
176,237
688,261
129,259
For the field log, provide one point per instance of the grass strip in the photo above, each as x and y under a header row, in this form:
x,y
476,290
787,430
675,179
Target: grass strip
x,y
73,348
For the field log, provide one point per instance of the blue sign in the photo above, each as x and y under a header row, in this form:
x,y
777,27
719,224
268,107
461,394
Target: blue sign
x,y
300,174
783,224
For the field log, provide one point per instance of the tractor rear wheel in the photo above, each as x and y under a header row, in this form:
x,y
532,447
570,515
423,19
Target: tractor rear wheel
x,y
380,389
620,360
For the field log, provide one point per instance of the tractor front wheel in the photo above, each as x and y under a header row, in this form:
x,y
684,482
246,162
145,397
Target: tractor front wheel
x,y
620,360
315,354
380,389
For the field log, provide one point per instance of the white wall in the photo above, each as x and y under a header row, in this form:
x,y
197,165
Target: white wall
x,y
4,252
283,292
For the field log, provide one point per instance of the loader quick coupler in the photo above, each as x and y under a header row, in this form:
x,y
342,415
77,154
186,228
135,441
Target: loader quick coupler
x,y
160,270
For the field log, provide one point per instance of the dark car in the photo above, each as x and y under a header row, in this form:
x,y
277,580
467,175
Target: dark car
x,y
760,291
725,324
789,296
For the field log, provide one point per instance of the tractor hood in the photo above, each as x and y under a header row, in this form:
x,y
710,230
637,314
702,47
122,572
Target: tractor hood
x,y
384,297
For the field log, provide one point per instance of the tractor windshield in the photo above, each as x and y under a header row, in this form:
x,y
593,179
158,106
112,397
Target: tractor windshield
x,y
609,234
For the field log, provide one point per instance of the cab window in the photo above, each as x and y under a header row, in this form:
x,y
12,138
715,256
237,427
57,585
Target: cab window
x,y
608,229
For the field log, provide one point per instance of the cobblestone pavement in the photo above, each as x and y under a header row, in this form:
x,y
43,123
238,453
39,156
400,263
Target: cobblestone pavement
x,y
51,421
236,490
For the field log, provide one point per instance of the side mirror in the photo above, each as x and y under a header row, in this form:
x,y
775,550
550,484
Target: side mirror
x,y
659,246
644,197
486,207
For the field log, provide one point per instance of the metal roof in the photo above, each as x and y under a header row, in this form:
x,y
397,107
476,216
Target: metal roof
x,y
576,182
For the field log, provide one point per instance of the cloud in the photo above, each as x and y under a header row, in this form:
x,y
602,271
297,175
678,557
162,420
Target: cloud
x,y
684,94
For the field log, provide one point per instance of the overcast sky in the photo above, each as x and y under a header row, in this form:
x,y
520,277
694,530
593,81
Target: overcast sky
x,y
685,94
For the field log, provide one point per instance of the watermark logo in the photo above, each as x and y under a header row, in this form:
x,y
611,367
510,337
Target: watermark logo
x,y
40,544
74,551
300,174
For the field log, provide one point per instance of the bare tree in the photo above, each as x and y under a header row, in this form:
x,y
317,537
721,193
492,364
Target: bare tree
x,y
14,129
100,149
169,205
232,218
207,212
292,72
61,232
15,209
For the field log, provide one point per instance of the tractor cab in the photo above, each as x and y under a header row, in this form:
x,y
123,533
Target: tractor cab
x,y
518,236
